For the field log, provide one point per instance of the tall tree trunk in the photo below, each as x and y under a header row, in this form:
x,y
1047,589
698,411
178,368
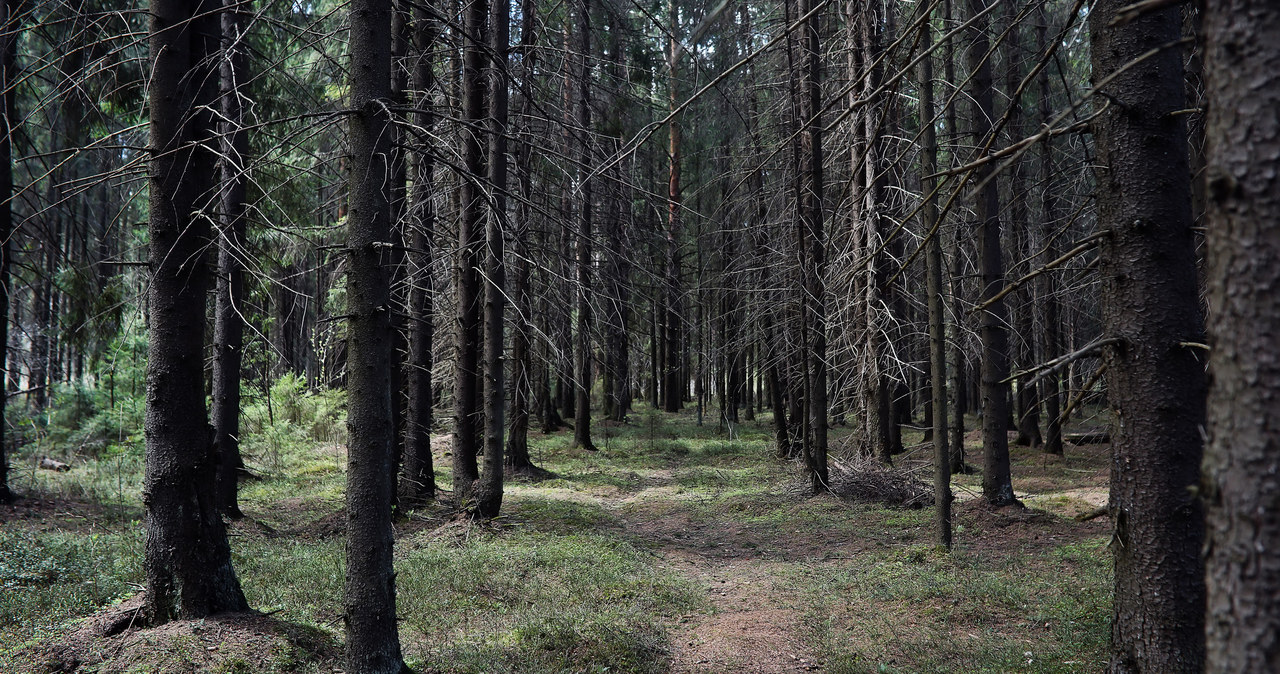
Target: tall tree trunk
x,y
186,558
1052,385
672,386
812,228
488,500
417,479
517,453
369,598
934,289
1242,479
997,485
9,25
583,358
466,393
1155,381
228,328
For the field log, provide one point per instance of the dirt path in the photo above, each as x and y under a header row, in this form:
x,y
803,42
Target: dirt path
x,y
753,625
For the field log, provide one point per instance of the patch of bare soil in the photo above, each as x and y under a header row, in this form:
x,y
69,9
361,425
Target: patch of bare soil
x,y
1020,528
48,513
110,643
751,627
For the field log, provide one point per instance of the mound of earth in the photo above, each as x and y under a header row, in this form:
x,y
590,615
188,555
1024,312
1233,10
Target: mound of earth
x,y
110,643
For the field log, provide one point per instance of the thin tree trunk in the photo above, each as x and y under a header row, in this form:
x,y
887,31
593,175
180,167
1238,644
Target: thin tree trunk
x,y
488,501
812,227
466,394
228,329
9,26
418,480
1048,282
583,357
934,289
1155,382
997,485
517,453
187,560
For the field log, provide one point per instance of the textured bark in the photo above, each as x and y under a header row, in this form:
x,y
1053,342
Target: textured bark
x,y
488,501
417,479
186,558
8,45
934,289
517,453
1155,383
812,229
672,386
1242,459
466,394
369,597
1052,385
583,354
997,485
228,328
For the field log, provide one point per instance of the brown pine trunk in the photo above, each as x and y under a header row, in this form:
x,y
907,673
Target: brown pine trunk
x,y
1242,481
1155,381
187,560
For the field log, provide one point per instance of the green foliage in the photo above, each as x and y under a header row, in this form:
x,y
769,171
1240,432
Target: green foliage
x,y
279,430
59,575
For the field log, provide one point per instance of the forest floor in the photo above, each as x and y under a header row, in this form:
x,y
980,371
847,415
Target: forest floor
x,y
675,547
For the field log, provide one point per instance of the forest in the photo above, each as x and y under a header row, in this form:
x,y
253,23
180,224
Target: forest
x,y
640,336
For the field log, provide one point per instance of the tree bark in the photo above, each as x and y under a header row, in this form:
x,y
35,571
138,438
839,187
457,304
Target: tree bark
x,y
488,501
1155,383
583,356
417,479
517,453
934,289
997,485
1242,459
9,26
466,393
1052,385
369,597
187,560
228,329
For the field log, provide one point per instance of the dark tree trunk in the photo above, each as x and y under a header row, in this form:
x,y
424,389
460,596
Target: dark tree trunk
x,y
1155,381
672,384
583,357
812,229
488,496
517,453
9,26
997,485
466,441
187,560
369,598
418,480
1242,481
228,328
934,289
1052,386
